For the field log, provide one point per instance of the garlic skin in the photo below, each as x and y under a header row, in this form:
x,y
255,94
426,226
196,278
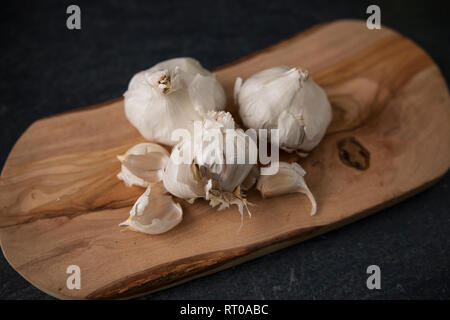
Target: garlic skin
x,y
287,99
171,95
207,174
154,212
289,179
251,179
143,164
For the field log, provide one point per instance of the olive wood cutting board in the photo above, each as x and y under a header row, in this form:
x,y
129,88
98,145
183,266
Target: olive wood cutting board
x,y
61,203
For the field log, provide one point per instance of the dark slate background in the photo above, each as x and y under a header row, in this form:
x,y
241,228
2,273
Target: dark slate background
x,y
47,69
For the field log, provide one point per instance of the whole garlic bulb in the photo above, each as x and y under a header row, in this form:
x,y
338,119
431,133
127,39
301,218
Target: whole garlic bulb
x,y
207,174
287,99
171,95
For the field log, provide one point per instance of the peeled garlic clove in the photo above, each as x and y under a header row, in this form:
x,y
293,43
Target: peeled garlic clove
x,y
154,212
143,164
289,179
287,99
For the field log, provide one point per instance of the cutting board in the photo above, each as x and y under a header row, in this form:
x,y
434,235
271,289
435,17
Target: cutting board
x,y
61,202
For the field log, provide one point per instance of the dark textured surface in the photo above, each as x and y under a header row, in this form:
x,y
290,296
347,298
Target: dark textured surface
x,y
47,69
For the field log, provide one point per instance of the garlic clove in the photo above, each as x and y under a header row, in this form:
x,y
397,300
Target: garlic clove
x,y
154,212
291,131
251,179
143,164
204,93
317,114
289,179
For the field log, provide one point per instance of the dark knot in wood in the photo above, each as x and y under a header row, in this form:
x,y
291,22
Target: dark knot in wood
x,y
353,154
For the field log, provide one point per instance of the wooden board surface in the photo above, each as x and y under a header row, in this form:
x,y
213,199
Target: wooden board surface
x,y
61,203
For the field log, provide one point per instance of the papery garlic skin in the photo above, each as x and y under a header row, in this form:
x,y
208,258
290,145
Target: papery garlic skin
x,y
251,179
171,95
289,179
207,174
287,99
154,212
143,164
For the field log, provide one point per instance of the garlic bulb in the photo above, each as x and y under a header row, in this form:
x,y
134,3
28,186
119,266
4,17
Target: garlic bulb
x,y
154,212
143,164
287,99
206,173
171,95
289,179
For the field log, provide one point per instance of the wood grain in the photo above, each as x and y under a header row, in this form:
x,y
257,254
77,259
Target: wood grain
x,y
60,202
